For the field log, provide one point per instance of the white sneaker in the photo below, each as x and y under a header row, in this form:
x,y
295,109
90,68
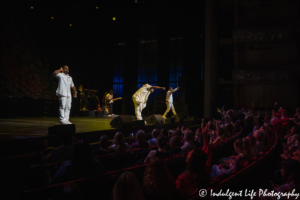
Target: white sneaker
x,y
68,122
64,122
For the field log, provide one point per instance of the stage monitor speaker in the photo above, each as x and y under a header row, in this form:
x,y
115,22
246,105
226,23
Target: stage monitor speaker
x,y
121,121
155,119
59,129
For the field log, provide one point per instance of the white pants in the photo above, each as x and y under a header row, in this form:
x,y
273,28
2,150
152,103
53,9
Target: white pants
x,y
64,108
169,106
138,108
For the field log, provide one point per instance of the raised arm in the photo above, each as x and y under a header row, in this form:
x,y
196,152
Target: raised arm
x,y
296,123
157,87
58,71
217,125
202,123
204,135
174,90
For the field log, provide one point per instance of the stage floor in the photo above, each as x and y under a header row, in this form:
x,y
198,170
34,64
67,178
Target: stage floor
x,y
31,127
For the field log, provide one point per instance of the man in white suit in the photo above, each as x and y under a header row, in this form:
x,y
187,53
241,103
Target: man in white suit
x,y
63,92
140,98
169,102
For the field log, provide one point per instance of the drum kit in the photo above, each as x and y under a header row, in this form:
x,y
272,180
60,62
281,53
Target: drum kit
x,y
89,101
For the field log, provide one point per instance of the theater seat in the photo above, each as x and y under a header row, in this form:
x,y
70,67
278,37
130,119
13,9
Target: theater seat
x,y
245,164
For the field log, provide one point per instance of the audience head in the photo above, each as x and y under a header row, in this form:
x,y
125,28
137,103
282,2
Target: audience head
x,y
273,112
283,112
196,164
277,115
210,125
196,158
220,132
162,142
66,137
295,129
104,141
247,149
178,129
157,180
188,136
71,192
176,133
127,187
175,142
290,171
82,154
198,136
164,132
140,136
236,126
252,140
259,135
119,141
155,133
238,145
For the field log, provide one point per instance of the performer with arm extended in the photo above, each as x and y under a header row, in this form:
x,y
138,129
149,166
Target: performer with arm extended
x,y
169,101
63,92
140,98
108,100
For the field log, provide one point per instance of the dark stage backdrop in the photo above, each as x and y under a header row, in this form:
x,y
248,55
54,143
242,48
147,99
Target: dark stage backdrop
x,y
25,71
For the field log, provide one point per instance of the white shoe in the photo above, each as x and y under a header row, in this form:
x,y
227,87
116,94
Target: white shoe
x,y
64,122
68,122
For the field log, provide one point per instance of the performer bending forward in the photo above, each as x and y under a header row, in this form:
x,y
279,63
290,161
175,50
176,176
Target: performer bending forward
x,y
169,102
140,98
63,92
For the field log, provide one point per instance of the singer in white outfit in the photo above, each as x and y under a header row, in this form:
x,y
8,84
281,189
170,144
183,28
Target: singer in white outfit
x,y
140,98
169,102
63,92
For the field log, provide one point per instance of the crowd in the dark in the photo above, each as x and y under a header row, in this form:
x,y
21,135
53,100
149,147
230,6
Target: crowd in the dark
x,y
255,134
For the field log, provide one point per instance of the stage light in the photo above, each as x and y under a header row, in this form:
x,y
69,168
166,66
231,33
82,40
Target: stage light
x,y
135,1
70,24
114,19
52,17
97,7
31,7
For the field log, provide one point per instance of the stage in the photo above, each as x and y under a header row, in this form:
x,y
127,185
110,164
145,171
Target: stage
x,y
38,126
27,135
